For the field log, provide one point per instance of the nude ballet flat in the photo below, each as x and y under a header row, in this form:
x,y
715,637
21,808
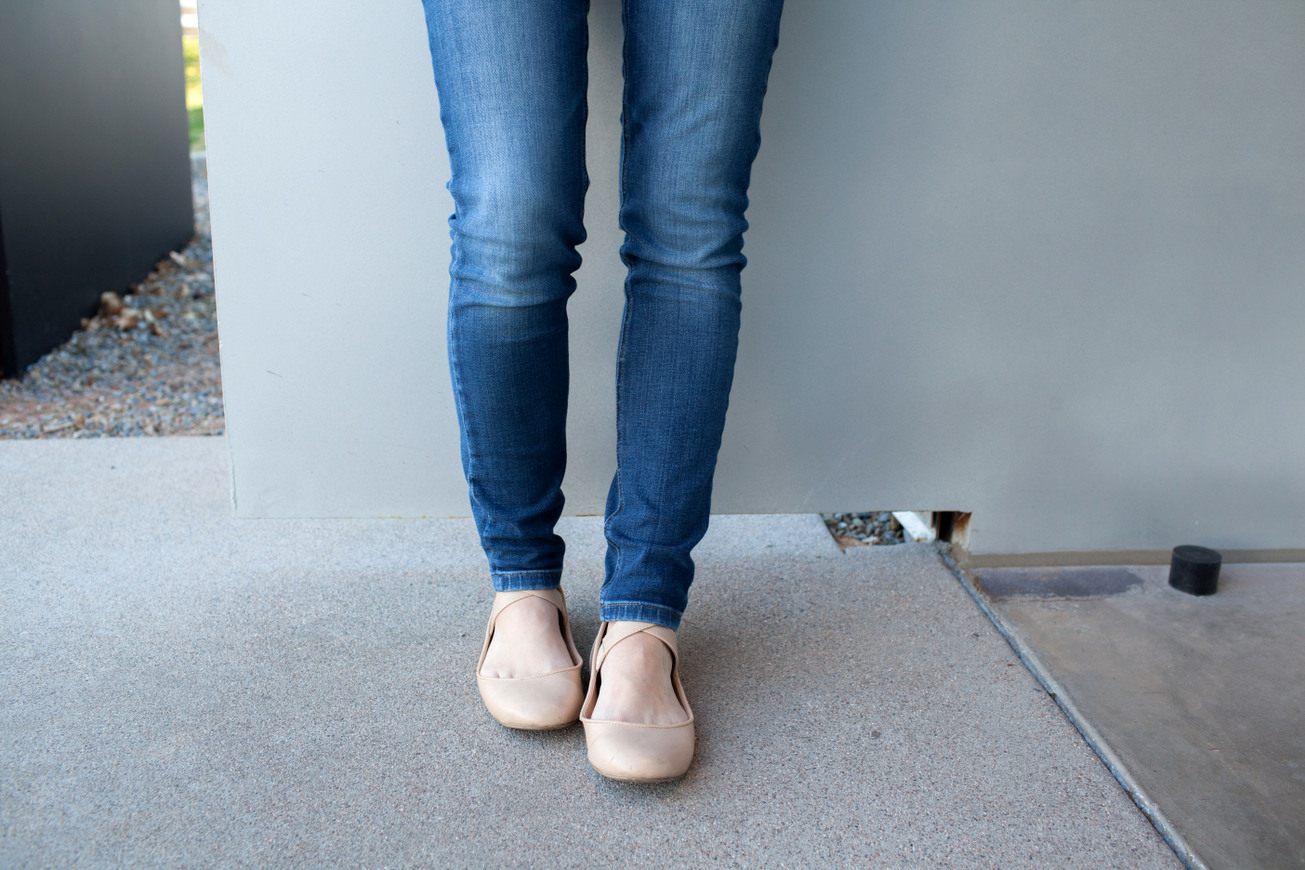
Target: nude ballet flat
x,y
542,702
630,751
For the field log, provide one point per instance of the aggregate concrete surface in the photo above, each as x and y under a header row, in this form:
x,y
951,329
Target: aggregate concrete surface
x,y
182,688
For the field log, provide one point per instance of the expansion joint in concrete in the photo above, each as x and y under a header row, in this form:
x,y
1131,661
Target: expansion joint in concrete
x,y
1065,702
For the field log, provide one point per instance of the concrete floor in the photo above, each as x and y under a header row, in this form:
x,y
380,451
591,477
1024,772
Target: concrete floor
x,y
180,688
1201,700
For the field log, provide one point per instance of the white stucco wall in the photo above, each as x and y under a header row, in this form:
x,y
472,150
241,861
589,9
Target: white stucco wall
x,y
1041,262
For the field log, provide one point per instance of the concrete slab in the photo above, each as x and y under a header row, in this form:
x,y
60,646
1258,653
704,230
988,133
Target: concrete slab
x,y
178,687
1200,699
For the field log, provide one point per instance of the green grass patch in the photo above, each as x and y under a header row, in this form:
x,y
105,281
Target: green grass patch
x,y
194,92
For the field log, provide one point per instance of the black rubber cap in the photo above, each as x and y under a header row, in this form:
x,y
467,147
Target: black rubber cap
x,y
1195,570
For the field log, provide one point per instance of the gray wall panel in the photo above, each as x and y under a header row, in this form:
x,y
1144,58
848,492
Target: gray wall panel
x,y
1040,262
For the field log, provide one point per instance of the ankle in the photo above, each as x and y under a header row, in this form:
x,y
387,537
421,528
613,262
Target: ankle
x,y
636,684
528,640
640,657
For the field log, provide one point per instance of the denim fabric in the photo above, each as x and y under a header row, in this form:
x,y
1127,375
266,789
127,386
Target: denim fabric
x,y
512,78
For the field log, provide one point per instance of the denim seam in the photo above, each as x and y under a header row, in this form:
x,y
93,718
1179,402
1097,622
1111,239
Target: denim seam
x,y
458,391
653,613
548,571
620,483
641,604
625,315
520,580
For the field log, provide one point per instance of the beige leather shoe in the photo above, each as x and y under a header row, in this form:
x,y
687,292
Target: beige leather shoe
x,y
626,750
538,703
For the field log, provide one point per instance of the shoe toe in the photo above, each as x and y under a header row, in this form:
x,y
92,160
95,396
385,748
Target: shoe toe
x,y
534,703
640,753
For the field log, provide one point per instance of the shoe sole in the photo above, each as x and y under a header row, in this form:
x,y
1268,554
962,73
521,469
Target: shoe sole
x,y
561,727
640,780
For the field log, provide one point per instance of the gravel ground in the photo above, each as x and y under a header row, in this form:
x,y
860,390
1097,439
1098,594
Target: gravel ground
x,y
856,530
146,364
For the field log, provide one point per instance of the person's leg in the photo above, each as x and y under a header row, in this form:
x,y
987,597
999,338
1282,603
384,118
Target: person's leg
x,y
512,81
695,77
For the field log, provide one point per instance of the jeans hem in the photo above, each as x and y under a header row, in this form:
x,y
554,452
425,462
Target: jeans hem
x,y
638,612
517,581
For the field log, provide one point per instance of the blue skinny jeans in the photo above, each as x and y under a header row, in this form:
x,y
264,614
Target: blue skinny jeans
x,y
512,78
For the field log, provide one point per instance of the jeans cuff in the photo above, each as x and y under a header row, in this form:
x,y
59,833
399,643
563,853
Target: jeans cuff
x,y
636,612
516,581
